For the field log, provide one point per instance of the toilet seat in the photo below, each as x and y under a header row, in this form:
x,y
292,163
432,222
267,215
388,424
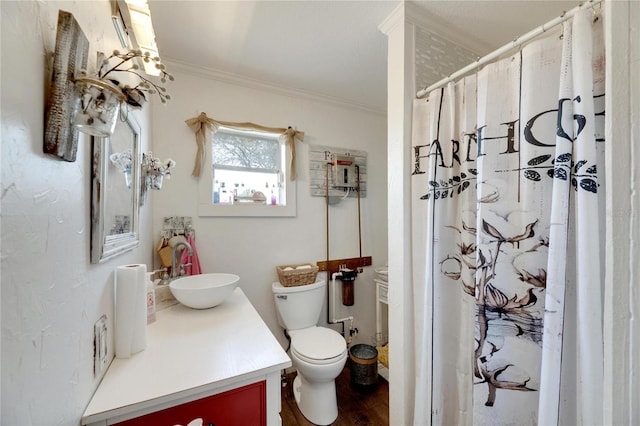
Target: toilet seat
x,y
318,345
319,361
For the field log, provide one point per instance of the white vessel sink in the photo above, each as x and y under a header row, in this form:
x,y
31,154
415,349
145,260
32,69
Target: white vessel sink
x,y
204,291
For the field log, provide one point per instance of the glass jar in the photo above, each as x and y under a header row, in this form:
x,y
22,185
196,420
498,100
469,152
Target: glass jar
x,y
154,181
97,106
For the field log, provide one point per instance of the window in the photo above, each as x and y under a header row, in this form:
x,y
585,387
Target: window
x,y
247,176
247,168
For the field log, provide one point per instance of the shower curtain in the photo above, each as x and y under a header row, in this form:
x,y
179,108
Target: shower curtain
x,y
507,229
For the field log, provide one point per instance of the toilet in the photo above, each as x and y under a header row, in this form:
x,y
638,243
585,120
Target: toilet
x,y
318,353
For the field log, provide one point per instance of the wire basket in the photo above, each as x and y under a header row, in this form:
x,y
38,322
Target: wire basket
x,y
294,277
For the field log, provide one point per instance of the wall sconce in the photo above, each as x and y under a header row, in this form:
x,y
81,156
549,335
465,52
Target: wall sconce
x,y
118,23
132,20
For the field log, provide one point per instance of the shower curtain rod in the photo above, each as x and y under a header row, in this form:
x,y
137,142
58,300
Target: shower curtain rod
x,y
507,47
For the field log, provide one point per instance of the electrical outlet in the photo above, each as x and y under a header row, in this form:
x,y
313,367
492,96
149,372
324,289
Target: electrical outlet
x,y
100,346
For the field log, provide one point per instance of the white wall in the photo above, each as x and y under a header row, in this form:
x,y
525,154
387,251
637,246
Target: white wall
x,y
252,247
51,294
401,90
622,283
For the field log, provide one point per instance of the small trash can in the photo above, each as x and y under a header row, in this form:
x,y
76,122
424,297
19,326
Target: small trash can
x,y
364,366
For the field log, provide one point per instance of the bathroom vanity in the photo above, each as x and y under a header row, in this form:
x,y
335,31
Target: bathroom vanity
x,y
221,364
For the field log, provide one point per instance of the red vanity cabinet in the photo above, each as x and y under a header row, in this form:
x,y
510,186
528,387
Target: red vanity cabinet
x,y
243,406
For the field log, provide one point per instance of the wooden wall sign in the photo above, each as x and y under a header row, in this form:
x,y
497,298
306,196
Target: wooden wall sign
x,y
71,54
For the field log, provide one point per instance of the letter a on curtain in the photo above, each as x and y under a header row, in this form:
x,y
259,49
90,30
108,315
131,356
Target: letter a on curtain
x,y
507,223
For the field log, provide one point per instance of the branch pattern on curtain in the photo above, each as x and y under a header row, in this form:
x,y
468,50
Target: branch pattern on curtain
x,y
507,189
204,127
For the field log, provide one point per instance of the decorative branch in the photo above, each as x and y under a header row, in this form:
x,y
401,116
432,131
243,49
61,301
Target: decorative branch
x,y
135,96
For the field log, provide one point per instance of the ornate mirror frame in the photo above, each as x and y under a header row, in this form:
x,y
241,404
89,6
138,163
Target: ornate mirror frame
x,y
116,192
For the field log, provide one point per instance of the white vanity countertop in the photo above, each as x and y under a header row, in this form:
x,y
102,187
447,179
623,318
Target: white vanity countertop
x,y
189,352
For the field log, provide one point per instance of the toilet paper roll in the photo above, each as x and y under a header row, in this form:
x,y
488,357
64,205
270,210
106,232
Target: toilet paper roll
x,y
130,310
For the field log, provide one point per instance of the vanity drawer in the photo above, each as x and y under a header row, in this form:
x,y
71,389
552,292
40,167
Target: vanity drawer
x,y
242,406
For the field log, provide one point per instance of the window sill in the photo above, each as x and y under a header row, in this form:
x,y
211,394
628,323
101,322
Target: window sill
x,y
246,210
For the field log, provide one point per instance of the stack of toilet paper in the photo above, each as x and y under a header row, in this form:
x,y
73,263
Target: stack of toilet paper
x,y
130,310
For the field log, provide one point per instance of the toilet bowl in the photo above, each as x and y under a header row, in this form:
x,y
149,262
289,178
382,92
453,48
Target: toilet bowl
x,y
318,353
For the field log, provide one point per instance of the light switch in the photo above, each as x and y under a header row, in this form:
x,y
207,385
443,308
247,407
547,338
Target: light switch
x,y
100,345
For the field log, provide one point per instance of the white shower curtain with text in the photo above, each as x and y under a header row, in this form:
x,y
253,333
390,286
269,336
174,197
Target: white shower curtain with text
x,y
507,225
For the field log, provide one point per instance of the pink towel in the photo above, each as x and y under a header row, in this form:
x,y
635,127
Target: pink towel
x,y
194,269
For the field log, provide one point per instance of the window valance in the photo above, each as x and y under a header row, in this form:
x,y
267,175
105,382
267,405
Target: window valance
x,y
204,127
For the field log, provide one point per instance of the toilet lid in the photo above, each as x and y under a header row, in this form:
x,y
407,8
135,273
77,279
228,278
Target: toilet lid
x,y
318,343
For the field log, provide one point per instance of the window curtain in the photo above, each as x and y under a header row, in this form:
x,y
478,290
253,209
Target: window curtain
x,y
204,128
508,231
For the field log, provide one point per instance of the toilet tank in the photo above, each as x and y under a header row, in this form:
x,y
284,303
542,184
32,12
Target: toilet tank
x,y
300,306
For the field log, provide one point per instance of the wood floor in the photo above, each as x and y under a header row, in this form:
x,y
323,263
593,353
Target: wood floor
x,y
355,407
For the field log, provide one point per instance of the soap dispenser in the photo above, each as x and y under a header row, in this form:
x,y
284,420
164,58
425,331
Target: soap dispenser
x,y
151,299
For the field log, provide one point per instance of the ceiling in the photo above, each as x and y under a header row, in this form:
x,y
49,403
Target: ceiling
x,y
328,48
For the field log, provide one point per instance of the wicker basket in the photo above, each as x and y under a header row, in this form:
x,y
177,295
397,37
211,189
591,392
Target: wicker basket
x,y
296,277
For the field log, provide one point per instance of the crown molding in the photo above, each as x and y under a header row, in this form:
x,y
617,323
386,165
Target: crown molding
x,y
395,18
240,80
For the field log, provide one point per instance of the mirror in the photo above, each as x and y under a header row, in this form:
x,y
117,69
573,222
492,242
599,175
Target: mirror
x,y
115,192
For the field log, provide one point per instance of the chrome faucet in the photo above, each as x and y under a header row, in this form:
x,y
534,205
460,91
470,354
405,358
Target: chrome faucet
x,y
175,265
